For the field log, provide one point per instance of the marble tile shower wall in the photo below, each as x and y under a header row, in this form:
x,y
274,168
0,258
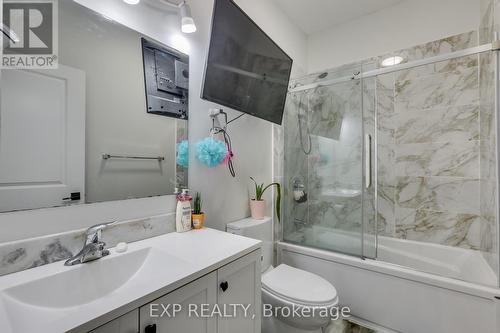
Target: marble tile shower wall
x,y
429,144
428,147
331,126
436,142
335,162
294,164
435,149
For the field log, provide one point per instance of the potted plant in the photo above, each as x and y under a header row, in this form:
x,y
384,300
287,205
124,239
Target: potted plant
x,y
198,217
258,205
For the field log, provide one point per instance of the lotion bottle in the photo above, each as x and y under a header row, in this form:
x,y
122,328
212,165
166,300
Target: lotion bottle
x,y
183,212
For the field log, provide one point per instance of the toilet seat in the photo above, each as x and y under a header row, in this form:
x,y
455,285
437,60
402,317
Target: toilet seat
x,y
296,286
292,288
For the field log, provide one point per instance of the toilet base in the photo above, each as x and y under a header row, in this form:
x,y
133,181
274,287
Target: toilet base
x,y
274,325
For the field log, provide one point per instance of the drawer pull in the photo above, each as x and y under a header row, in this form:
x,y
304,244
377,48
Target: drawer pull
x,y
150,329
224,286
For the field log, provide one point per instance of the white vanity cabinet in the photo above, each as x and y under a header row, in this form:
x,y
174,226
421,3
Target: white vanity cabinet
x,y
239,283
235,284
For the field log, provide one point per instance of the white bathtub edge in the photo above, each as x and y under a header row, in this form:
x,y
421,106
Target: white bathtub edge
x,y
468,288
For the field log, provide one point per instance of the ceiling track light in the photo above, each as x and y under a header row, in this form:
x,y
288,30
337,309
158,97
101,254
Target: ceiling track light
x,y
187,22
132,2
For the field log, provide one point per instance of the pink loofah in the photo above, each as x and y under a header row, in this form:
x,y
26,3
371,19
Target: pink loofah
x,y
227,158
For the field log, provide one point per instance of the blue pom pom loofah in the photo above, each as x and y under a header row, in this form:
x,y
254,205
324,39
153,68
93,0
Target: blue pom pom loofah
x,y
211,152
183,153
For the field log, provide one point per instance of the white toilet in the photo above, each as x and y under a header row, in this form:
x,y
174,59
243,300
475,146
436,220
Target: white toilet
x,y
285,288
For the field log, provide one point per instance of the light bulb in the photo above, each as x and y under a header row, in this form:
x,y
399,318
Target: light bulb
x,y
187,23
132,2
392,61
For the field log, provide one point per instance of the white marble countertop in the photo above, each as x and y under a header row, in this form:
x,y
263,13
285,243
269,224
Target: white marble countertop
x,y
177,259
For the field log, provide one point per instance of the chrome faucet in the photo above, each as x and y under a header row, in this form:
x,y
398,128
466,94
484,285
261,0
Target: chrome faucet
x,y
93,248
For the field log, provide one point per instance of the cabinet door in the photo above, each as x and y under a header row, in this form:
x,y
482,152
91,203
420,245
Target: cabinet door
x,y
128,323
153,319
239,284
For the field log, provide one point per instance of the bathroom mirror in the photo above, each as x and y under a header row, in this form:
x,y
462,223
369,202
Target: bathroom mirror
x,y
82,133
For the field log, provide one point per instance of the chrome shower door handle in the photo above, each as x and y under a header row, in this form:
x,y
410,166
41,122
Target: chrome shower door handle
x,y
368,161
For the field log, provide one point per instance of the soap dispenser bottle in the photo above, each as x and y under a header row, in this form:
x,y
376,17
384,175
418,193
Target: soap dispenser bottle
x,y
183,212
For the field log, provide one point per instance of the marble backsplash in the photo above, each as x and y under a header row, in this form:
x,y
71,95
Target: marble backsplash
x,y
28,253
433,126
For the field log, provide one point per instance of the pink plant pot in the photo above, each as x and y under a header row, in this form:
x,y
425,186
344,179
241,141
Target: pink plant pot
x,y
258,209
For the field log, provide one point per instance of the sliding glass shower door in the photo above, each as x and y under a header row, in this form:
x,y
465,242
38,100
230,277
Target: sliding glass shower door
x,y
326,156
398,164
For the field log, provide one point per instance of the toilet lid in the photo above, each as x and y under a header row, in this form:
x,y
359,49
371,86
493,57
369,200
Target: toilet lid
x,y
298,285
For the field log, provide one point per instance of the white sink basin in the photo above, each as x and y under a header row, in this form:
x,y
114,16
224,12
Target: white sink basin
x,y
57,298
80,284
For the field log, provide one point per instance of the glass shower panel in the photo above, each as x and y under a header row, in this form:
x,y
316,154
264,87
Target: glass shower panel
x,y
324,167
436,146
432,162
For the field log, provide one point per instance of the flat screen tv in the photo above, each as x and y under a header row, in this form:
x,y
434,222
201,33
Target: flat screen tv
x,y
245,69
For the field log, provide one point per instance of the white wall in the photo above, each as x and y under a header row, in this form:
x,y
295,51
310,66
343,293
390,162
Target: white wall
x,y
407,24
225,198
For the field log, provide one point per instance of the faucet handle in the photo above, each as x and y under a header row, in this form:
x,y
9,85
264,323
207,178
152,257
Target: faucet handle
x,y
94,232
98,227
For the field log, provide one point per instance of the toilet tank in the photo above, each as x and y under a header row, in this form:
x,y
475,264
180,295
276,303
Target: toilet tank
x,y
257,229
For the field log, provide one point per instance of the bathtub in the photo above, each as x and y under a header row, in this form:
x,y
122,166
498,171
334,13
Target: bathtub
x,y
397,298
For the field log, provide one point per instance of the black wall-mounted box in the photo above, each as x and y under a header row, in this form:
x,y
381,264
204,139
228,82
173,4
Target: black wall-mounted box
x,y
166,75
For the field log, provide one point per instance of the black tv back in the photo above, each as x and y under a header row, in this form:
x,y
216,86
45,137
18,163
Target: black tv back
x,y
246,70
